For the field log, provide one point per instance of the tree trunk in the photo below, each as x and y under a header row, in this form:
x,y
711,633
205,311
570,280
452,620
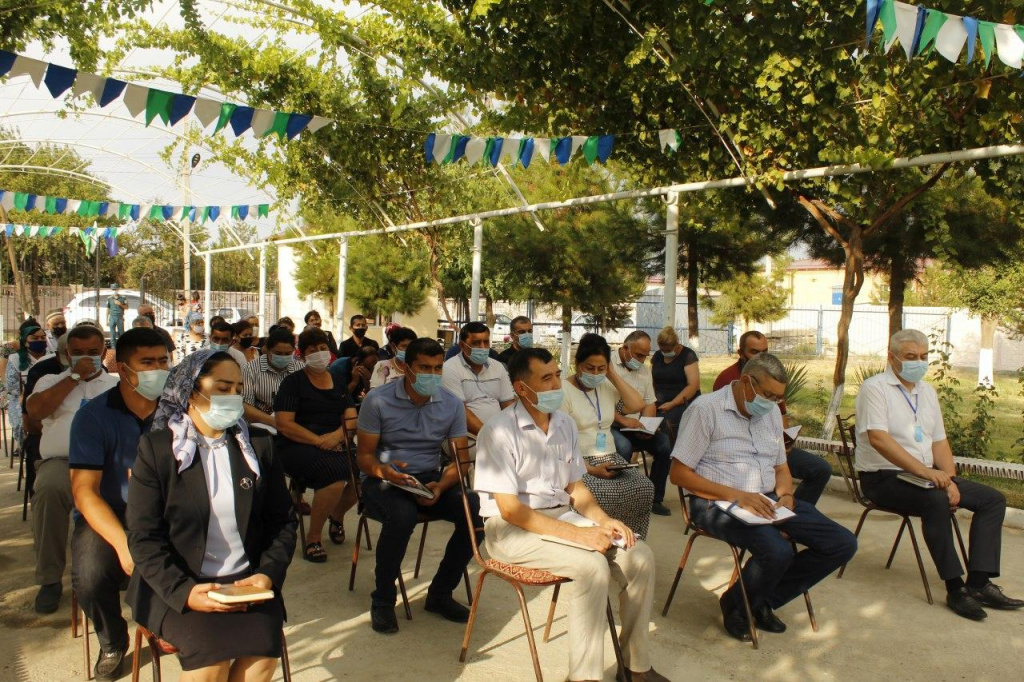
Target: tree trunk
x,y
435,279
692,303
566,338
899,275
853,280
489,311
986,370
21,300
34,284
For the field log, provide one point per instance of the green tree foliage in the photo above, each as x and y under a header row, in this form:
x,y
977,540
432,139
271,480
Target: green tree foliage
x,y
751,297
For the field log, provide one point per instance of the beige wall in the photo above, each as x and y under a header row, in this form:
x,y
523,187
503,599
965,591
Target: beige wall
x,y
813,288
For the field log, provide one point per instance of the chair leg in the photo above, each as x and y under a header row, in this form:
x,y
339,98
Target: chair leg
x,y
24,505
355,551
679,573
960,541
810,611
366,533
896,544
74,615
746,599
616,645
465,579
551,612
296,502
419,555
472,616
405,597
85,645
856,534
643,458
286,665
920,564
21,466
529,632
137,654
154,653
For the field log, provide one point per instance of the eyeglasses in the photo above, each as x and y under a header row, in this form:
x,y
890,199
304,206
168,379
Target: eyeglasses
x,y
777,399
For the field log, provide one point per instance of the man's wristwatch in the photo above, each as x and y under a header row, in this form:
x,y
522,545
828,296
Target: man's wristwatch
x,y
77,378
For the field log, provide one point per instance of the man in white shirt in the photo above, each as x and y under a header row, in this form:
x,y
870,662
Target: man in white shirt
x,y
482,385
630,360
528,470
900,429
55,401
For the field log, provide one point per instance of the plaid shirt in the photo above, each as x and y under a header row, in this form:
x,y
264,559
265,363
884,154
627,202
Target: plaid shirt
x,y
723,446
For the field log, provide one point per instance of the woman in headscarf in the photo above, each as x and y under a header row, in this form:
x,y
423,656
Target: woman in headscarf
x,y
208,508
31,349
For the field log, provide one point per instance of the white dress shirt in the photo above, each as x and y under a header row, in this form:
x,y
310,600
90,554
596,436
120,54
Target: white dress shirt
x,y
225,551
56,438
515,457
884,404
640,380
482,393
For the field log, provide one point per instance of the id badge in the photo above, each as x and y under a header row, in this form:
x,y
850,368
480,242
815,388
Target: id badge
x,y
918,434
601,441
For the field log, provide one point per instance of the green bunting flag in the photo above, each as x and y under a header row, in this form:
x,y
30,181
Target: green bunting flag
x,y
158,103
263,210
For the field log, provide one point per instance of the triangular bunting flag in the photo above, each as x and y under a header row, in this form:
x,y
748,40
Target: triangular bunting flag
x,y
317,123
51,205
6,61
26,66
180,107
604,147
58,79
987,34
207,111
971,26
227,110
262,119
158,103
263,211
280,125
459,148
428,148
40,206
241,120
542,146
88,83
1009,46
112,89
475,150
590,150
495,144
906,26
951,38
442,146
526,148
242,211
135,97
296,124
932,25
562,150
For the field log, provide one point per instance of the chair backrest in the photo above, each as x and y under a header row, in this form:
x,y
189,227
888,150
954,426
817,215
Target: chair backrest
x,y
460,457
846,456
348,446
685,508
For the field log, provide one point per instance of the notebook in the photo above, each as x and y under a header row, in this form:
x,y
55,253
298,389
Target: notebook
x,y
915,480
651,425
416,489
790,435
240,594
582,522
751,519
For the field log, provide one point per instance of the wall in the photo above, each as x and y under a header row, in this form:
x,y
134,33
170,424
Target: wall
x,y
815,287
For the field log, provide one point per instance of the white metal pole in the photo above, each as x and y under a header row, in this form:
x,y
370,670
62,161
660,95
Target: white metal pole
x,y
478,243
339,306
261,310
671,256
209,285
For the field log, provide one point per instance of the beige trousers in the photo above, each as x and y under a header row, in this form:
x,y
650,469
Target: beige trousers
x,y
592,574
51,519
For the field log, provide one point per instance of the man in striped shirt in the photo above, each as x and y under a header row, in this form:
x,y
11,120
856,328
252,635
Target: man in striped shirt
x,y
262,377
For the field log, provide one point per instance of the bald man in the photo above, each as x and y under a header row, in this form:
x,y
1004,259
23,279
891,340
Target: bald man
x,y
147,310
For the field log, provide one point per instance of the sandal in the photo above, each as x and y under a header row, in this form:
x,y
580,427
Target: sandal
x,y
335,530
315,553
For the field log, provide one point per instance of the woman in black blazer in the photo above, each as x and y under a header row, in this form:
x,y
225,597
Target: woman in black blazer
x,y
208,507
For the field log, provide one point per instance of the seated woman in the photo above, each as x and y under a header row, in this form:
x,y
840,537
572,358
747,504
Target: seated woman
x,y
676,374
243,340
31,349
208,508
313,319
312,412
591,395
386,371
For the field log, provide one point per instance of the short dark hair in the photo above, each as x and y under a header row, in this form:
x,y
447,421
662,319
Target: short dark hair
x,y
310,314
238,327
139,337
221,326
352,320
366,352
311,337
472,328
425,346
402,334
519,365
86,332
215,319
279,335
752,334
592,344
286,321
517,320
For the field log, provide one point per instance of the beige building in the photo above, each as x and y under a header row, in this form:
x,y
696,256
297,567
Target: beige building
x,y
813,283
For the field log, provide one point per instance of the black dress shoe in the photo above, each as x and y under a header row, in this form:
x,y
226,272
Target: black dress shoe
x,y
963,604
383,619
766,619
48,598
449,609
660,509
992,596
110,664
735,621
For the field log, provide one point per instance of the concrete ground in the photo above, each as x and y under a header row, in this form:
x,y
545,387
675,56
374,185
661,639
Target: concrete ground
x,y
874,623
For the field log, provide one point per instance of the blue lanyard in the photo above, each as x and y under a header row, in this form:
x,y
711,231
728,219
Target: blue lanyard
x,y
913,407
597,408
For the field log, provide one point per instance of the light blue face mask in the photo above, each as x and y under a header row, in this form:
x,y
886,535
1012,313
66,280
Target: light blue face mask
x,y
914,370
759,406
224,411
400,355
151,382
97,361
633,364
548,401
427,384
219,347
525,340
592,380
670,354
280,361
478,356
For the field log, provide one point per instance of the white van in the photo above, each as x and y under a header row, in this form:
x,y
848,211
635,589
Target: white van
x,y
84,307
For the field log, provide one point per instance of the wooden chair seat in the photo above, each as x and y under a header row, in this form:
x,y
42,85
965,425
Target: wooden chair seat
x,y
534,577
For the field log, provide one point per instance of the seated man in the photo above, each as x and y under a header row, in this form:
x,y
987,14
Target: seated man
x,y
55,401
813,471
222,335
401,428
528,471
262,378
630,365
104,441
520,335
900,429
479,383
730,448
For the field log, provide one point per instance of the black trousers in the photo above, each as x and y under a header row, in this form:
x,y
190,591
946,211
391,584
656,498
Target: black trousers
x,y
97,578
988,505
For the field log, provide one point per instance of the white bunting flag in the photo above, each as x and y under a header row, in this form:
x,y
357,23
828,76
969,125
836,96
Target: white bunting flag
x,y
26,66
906,26
317,123
951,38
475,150
1009,46
442,145
88,83
135,97
207,111
542,146
262,119
577,142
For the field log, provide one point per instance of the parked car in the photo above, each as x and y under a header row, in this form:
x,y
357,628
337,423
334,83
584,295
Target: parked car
x,y
232,315
583,324
84,307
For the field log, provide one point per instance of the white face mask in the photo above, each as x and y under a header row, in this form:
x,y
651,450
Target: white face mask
x,y
318,360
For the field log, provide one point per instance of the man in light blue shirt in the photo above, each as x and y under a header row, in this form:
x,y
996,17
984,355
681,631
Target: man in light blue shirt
x,y
402,426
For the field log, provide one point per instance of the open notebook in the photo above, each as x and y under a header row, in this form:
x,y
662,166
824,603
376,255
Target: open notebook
x,y
583,522
741,514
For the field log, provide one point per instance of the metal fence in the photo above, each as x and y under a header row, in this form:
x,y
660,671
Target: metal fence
x,y
50,298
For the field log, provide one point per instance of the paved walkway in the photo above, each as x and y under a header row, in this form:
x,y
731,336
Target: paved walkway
x,y
874,624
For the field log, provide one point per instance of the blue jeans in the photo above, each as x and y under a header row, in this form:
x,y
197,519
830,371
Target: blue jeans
x,y
396,510
97,578
658,445
116,325
775,574
814,473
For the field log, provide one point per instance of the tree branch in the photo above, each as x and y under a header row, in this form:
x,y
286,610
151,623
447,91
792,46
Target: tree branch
x,y
902,203
813,207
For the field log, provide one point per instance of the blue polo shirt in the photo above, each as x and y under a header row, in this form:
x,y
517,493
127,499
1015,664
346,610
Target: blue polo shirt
x,y
408,432
105,437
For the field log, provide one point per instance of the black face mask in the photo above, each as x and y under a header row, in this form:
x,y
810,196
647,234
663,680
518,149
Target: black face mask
x,y
152,317
359,333
245,341
59,331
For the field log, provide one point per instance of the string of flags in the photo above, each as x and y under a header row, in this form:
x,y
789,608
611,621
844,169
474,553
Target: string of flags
x,y
169,107
444,149
90,236
26,202
919,30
